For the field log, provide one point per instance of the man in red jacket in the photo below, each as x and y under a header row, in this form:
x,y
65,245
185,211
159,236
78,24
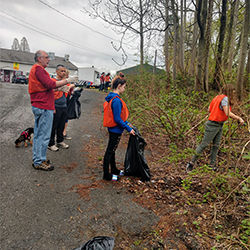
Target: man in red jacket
x,y
42,100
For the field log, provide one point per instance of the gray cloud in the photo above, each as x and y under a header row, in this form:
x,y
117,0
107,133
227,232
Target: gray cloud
x,y
86,47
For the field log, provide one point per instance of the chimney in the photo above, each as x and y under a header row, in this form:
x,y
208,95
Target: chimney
x,y
66,58
51,55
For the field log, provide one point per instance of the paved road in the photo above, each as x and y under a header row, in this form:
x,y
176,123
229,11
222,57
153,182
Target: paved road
x,y
40,210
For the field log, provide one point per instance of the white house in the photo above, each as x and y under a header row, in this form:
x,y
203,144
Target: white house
x,y
15,62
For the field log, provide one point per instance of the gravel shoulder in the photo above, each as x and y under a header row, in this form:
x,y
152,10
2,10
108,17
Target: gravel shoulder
x,y
46,210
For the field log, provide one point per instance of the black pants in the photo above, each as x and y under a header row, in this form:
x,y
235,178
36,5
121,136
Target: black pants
x,y
106,85
58,126
101,86
109,157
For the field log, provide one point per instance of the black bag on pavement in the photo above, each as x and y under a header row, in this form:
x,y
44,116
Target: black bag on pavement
x,y
135,163
98,243
74,106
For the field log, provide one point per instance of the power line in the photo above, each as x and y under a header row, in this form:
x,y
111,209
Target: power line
x,y
74,20
48,34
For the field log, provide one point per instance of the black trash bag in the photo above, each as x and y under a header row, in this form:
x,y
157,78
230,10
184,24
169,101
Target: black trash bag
x,y
135,163
98,243
74,106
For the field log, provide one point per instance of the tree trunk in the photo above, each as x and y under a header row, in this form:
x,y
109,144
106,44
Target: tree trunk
x,y
192,66
217,73
181,52
141,35
246,80
155,59
201,19
175,42
229,49
166,50
243,50
208,39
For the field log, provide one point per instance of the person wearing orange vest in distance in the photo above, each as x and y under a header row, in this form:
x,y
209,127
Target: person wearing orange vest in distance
x,y
115,118
219,111
102,80
60,114
68,94
107,81
42,100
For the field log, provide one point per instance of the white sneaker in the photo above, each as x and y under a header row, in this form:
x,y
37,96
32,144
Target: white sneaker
x,y
62,145
53,148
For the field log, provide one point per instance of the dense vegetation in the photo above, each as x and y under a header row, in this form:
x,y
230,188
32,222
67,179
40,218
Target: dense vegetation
x,y
205,208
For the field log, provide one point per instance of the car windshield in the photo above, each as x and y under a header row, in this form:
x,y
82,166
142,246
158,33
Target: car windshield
x,y
21,76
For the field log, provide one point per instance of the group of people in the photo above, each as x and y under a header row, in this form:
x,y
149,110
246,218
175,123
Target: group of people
x,y
48,98
105,81
49,101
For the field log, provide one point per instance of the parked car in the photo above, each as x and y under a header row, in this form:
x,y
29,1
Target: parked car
x,y
20,79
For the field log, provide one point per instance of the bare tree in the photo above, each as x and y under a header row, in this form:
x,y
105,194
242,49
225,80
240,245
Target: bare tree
x,y
201,19
191,70
136,16
166,37
218,57
176,38
231,31
243,50
181,45
207,44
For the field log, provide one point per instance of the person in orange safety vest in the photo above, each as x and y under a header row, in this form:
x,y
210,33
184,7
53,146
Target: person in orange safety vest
x,y
115,119
219,111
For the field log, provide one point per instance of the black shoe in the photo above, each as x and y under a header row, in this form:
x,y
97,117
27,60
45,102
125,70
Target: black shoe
x,y
115,171
189,167
107,177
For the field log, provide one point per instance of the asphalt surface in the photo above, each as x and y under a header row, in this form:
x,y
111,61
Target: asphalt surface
x,y
41,210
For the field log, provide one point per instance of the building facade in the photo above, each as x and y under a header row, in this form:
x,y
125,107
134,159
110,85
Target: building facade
x,y
15,62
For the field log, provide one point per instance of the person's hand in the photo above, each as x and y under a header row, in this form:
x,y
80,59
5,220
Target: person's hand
x,y
241,121
132,132
72,79
71,86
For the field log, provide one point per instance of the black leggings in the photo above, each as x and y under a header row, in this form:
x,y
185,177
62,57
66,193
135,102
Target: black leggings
x,y
109,157
58,125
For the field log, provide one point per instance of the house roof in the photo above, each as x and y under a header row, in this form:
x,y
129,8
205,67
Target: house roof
x,y
9,55
136,69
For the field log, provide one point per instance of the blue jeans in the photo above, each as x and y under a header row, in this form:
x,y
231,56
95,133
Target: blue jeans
x,y
42,132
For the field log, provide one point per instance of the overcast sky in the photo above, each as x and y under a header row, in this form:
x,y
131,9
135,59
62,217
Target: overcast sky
x,y
86,47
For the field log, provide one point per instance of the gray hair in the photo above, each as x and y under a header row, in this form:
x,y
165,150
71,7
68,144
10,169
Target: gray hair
x,y
38,54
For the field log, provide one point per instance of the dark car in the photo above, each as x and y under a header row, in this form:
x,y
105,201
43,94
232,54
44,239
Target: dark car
x,y
20,79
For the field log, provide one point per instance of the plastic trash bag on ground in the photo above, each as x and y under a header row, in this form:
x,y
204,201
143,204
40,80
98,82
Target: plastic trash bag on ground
x,y
135,163
98,243
74,106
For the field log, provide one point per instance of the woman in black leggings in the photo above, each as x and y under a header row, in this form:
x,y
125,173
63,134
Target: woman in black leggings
x,y
115,118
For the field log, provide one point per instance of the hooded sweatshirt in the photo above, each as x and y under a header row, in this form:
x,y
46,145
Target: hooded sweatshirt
x,y
117,108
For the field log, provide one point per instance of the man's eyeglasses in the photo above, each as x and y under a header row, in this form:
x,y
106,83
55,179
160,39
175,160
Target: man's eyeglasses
x,y
46,57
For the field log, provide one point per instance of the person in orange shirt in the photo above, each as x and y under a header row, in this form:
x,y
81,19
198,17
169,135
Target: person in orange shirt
x,y
65,135
219,111
107,81
60,114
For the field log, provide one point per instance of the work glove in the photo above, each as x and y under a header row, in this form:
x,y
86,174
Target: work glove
x,y
72,79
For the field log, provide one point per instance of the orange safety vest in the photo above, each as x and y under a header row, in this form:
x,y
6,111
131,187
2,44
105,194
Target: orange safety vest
x,y
107,78
108,117
34,85
57,93
216,114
